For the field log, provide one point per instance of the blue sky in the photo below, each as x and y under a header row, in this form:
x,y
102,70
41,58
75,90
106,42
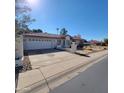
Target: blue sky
x,y
89,18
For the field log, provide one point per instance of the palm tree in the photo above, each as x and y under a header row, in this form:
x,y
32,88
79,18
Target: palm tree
x,y
63,31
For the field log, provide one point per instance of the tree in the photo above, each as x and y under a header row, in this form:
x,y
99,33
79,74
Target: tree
x,y
22,17
106,41
63,31
37,30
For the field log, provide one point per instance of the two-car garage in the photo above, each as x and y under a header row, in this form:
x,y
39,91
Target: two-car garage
x,y
38,43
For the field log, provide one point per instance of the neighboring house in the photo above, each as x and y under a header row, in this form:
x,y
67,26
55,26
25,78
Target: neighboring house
x,y
77,40
33,41
94,42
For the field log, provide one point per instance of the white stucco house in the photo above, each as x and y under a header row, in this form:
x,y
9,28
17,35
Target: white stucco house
x,y
33,41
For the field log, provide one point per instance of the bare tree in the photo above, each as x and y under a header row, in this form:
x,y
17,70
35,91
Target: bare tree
x,y
22,17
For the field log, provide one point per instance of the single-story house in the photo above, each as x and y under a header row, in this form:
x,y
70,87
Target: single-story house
x,y
33,41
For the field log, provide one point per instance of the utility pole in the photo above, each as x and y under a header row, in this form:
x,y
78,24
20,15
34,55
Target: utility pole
x,y
57,30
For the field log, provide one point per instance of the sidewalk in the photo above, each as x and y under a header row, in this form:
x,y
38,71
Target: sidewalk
x,y
43,79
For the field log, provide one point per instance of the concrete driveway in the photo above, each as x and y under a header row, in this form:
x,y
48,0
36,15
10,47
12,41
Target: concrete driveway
x,y
50,58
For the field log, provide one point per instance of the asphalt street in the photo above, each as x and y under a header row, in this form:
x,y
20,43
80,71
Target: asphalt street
x,y
92,80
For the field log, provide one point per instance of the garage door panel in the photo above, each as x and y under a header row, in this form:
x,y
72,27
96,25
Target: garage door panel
x,y
42,44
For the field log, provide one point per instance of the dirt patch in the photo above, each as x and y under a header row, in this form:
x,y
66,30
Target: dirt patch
x,y
26,64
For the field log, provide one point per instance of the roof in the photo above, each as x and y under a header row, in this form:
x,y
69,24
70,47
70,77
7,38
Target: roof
x,y
44,35
76,38
48,35
94,41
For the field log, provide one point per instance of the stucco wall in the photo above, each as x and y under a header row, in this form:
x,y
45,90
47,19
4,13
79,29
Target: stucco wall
x,y
19,46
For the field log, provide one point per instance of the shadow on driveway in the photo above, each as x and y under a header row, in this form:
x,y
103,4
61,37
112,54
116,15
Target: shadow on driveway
x,y
82,54
39,51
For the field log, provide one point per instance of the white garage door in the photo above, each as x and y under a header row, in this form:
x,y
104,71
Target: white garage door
x,y
33,44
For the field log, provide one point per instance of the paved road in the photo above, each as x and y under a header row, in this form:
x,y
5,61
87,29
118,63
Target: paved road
x,y
93,80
